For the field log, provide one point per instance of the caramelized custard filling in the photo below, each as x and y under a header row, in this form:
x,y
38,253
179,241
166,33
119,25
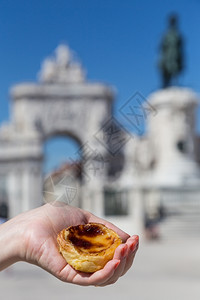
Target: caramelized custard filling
x,y
90,238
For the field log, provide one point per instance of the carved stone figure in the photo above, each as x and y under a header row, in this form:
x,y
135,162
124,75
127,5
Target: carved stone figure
x,y
62,68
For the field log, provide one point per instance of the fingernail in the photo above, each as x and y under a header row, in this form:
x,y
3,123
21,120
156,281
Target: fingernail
x,y
136,238
124,250
116,265
134,247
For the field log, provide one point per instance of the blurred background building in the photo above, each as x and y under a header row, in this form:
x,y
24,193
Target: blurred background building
x,y
136,161
133,181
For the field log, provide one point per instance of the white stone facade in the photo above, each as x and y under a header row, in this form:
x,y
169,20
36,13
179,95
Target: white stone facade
x,y
172,134
64,103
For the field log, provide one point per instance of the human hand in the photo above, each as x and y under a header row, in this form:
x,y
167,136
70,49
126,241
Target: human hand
x,y
38,230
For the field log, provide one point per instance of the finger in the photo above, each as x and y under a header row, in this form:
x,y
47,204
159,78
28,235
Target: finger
x,y
110,273
133,244
124,254
129,263
98,277
67,274
121,253
123,235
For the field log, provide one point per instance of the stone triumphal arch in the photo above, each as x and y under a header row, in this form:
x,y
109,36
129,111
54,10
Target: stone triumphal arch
x,y
62,103
137,175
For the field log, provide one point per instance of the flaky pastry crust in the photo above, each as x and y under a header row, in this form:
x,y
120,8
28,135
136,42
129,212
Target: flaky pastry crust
x,y
88,247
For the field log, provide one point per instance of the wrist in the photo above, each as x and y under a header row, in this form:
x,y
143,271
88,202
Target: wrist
x,y
10,243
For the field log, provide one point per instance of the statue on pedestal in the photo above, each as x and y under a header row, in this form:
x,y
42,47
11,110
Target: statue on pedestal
x,y
171,62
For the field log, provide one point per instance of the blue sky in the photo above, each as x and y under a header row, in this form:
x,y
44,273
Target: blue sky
x,y
117,42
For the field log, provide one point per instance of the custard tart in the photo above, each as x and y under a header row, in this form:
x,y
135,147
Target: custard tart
x,y
88,247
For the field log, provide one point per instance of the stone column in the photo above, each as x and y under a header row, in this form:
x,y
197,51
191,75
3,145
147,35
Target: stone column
x,y
14,189
93,193
137,209
94,170
31,186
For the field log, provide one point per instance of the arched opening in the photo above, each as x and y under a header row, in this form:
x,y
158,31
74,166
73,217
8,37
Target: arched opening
x,y
62,170
59,150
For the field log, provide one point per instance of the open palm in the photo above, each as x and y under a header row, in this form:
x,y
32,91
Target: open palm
x,y
40,233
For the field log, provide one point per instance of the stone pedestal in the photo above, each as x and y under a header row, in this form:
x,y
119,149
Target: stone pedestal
x,y
172,135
